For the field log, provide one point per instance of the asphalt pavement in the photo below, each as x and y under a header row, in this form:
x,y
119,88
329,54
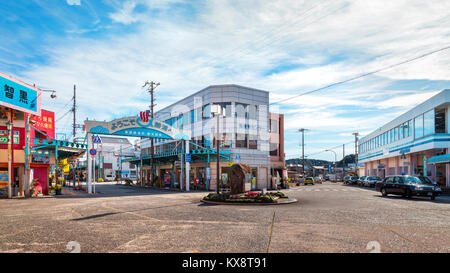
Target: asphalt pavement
x,y
329,217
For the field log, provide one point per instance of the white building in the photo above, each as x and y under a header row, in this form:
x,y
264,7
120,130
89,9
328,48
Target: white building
x,y
416,142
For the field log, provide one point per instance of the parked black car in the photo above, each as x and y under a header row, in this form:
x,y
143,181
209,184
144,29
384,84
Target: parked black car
x,y
408,186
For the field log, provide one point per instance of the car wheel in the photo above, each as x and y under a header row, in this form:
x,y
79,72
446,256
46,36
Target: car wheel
x,y
384,192
408,194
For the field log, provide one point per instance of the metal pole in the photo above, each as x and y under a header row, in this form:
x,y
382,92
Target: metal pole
x,y
218,155
188,167
10,154
27,154
343,161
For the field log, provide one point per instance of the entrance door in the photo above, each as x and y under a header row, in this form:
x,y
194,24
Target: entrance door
x,y
40,174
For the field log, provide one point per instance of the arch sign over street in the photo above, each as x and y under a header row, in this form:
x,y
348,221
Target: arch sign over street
x,y
136,127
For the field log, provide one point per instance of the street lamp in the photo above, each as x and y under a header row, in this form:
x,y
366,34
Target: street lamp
x,y
335,159
216,110
53,93
302,130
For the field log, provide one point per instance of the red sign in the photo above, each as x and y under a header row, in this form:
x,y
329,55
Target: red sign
x,y
45,123
144,116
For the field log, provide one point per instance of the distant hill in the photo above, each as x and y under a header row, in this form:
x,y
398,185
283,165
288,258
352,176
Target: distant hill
x,y
318,162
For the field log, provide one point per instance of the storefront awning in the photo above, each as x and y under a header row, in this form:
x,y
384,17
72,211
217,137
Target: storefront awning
x,y
439,159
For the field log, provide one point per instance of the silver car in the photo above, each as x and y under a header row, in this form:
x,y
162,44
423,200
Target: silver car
x,y
371,181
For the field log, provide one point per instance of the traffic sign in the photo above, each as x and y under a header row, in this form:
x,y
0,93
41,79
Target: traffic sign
x,y
93,152
97,140
187,158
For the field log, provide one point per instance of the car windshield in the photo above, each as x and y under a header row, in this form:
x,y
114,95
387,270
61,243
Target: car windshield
x,y
373,178
418,180
425,180
353,178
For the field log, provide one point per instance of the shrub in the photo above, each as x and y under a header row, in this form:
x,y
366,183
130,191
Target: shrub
x,y
101,180
279,194
128,182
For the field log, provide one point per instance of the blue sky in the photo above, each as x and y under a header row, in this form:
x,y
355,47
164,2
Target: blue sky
x,y
110,48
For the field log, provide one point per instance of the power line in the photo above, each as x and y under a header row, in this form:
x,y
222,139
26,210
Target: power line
x,y
363,75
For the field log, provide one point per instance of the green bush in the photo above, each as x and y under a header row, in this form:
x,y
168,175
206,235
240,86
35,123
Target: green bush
x,y
128,182
279,194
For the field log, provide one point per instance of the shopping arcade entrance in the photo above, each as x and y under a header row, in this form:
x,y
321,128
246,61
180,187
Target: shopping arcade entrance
x,y
139,126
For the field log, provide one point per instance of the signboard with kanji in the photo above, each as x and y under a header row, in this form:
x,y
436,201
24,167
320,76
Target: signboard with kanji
x,y
4,137
45,123
135,126
19,96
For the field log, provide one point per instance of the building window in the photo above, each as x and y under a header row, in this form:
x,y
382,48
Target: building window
x,y
274,126
199,113
439,121
252,112
192,116
428,123
274,149
395,133
206,111
418,127
410,128
241,140
186,118
241,110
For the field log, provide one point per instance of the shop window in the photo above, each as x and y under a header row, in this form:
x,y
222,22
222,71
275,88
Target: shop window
x,y
439,121
428,123
418,127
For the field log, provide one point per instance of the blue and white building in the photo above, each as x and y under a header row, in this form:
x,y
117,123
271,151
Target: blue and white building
x,y
417,142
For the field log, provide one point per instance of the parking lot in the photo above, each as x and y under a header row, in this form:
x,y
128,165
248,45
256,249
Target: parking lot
x,y
329,217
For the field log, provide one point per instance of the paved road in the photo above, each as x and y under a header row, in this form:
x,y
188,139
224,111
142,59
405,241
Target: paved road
x,y
328,218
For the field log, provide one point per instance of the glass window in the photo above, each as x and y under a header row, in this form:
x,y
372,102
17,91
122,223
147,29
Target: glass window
x,y
241,140
273,126
253,142
241,110
252,112
206,111
180,121
274,149
439,121
199,114
186,118
391,137
418,127
395,133
410,128
192,116
428,123
226,109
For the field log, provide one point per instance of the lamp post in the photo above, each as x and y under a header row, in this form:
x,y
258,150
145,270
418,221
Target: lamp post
x,y
335,159
217,111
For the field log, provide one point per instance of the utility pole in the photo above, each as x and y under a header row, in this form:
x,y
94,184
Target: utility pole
x,y
75,126
302,130
74,110
151,89
343,161
356,152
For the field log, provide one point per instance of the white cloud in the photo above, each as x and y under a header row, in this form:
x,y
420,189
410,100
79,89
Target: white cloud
x,y
240,41
73,2
125,15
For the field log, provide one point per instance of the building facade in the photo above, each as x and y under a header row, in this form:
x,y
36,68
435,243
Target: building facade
x,y
243,134
415,143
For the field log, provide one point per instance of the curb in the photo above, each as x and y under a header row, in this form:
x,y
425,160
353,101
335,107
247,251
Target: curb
x,y
289,201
